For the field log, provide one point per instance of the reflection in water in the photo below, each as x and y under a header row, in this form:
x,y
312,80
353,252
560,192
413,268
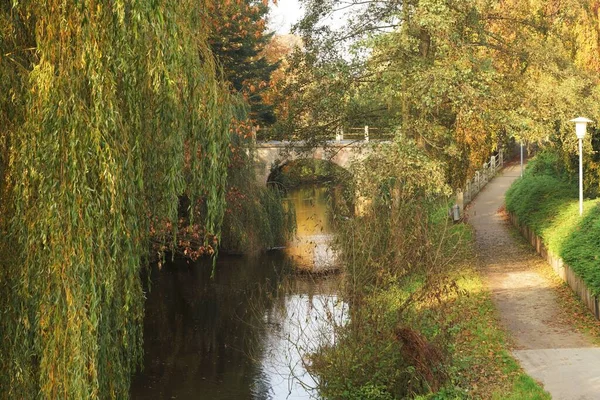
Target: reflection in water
x,y
244,334
311,248
303,324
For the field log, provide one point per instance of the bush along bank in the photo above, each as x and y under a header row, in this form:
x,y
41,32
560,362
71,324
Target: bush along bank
x,y
426,335
421,324
544,204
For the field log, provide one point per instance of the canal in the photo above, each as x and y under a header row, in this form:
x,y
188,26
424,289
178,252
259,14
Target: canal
x,y
246,333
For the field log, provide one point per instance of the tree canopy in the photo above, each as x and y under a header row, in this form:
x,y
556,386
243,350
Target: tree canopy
x,y
459,77
238,36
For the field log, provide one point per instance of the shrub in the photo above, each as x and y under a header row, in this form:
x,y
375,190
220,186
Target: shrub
x,y
398,255
581,248
255,219
536,199
546,162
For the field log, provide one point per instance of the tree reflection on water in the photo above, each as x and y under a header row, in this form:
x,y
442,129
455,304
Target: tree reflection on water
x,y
246,334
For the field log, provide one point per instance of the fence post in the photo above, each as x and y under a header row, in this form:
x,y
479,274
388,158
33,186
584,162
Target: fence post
x,y
460,201
470,190
486,173
501,158
366,133
338,134
478,180
493,165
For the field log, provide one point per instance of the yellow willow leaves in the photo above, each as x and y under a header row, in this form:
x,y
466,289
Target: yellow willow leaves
x,y
106,108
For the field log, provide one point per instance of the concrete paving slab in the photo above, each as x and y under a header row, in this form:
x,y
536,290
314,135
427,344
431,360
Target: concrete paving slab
x,y
568,374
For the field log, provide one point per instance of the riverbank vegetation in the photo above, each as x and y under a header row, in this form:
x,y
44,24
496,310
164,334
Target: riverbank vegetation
x,y
257,216
546,200
421,322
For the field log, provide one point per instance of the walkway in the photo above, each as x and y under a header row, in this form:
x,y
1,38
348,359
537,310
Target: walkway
x,y
547,345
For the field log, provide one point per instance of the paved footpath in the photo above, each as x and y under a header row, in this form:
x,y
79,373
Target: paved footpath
x,y
546,343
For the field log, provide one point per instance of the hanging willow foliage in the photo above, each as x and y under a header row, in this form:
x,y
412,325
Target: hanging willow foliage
x,y
111,110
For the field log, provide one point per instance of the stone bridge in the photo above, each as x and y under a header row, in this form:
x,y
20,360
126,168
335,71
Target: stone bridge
x,y
275,154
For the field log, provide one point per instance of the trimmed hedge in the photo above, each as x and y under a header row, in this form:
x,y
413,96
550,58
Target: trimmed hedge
x,y
545,201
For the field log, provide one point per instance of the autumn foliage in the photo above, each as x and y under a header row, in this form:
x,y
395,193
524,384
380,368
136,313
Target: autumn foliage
x,y
238,36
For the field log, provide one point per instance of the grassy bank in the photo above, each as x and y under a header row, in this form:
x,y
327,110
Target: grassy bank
x,y
547,202
454,348
421,323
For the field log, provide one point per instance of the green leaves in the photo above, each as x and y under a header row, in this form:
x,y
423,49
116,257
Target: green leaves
x,y
544,201
469,75
119,112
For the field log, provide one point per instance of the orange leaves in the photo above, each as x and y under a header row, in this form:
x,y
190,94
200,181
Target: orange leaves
x,y
234,21
243,128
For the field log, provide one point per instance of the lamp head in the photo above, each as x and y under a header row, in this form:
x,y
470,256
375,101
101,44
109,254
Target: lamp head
x,y
580,126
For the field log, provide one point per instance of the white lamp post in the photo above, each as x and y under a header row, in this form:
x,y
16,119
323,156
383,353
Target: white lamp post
x,y
521,158
580,128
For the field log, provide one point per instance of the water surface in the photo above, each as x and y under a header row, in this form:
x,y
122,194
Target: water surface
x,y
247,332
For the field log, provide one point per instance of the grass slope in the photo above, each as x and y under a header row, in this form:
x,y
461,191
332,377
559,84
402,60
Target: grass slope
x,y
543,200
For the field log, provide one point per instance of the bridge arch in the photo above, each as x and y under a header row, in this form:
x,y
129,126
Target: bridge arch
x,y
276,154
291,173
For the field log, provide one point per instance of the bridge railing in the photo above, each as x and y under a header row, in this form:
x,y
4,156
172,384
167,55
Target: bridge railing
x,y
364,133
481,177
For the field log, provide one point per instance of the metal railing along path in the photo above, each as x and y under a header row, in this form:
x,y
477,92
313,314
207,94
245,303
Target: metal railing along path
x,y
481,177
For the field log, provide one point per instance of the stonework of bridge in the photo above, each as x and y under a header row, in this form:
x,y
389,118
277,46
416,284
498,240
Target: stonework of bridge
x,y
273,154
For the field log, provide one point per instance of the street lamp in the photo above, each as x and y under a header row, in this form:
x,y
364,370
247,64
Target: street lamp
x,y
580,128
521,158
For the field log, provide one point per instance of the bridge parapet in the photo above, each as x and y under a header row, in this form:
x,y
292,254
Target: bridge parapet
x,y
366,134
277,153
302,145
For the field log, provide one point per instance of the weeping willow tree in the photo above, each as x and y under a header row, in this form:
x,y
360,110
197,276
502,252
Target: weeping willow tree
x,y
110,111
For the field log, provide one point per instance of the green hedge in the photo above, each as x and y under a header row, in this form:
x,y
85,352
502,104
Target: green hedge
x,y
548,203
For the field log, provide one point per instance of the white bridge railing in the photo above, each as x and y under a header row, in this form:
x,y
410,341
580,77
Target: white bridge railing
x,y
365,133
479,180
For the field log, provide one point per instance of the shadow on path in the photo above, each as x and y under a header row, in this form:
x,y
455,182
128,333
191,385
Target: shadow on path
x,y
547,344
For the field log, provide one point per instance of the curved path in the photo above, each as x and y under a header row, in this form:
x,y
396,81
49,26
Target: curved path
x,y
546,343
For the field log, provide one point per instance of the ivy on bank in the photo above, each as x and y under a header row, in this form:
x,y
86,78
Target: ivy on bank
x,y
546,201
